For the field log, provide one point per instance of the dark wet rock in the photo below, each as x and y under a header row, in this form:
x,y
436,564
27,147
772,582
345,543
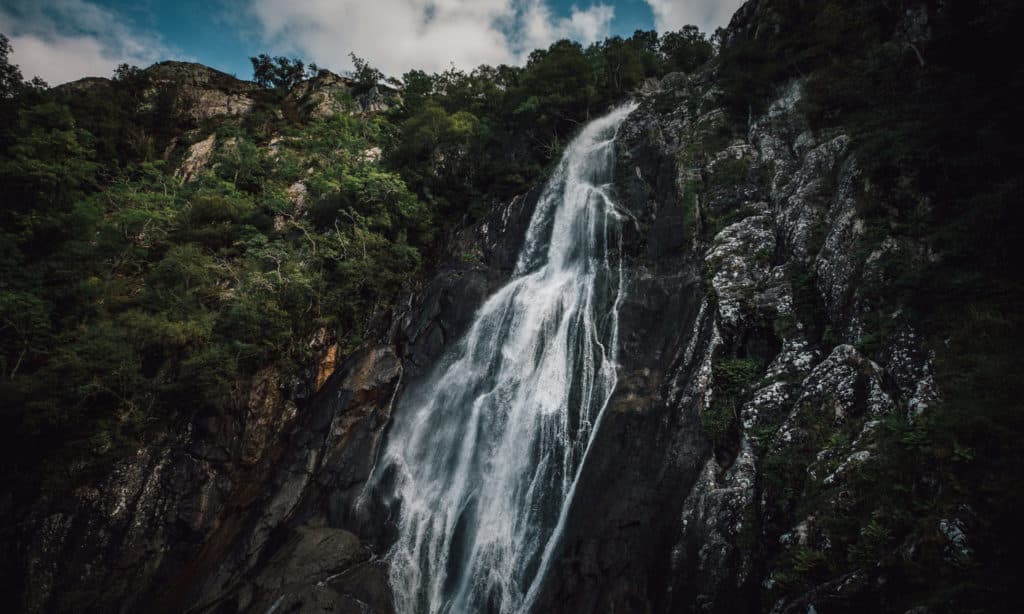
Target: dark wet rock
x,y
616,544
314,572
851,592
662,520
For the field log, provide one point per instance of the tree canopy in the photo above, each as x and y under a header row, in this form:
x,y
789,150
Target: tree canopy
x,y
132,299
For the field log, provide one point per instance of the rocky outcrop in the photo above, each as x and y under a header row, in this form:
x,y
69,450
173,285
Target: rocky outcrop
x,y
702,489
197,158
327,94
201,91
258,508
197,520
85,84
322,96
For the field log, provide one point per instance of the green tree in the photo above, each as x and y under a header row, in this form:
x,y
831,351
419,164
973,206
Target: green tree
x,y
11,80
280,73
623,68
364,76
24,329
557,90
44,170
686,50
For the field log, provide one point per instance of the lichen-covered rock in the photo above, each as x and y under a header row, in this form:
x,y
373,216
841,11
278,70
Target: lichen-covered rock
x,y
718,530
740,260
846,385
834,266
197,159
204,92
297,193
322,96
911,367
328,94
956,531
812,421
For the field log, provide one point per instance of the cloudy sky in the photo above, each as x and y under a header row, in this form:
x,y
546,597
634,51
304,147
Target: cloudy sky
x,y
62,40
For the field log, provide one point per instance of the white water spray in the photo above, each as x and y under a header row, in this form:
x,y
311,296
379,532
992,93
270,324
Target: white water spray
x,y
484,454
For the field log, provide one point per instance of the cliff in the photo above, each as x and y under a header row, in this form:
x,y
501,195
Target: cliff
x,y
760,453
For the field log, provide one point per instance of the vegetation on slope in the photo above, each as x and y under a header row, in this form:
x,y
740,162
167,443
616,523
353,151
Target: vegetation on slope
x,y
133,300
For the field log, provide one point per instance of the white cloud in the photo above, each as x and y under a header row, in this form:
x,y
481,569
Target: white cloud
x,y
705,14
397,35
539,28
64,40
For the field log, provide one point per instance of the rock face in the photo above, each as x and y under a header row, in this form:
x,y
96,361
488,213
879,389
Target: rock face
x,y
186,523
244,511
198,158
327,94
203,91
672,515
743,411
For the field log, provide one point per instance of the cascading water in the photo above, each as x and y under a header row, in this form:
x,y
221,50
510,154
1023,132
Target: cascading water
x,y
484,454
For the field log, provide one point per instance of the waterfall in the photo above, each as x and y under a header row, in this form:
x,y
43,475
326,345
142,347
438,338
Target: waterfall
x,y
484,453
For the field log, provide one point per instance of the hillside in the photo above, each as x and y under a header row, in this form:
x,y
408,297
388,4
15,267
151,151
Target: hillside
x,y
222,298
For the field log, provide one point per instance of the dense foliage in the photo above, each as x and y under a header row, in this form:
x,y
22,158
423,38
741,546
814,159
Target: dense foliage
x,y
489,133
280,74
132,300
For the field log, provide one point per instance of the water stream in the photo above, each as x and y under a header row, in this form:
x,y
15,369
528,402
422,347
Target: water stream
x,y
484,453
